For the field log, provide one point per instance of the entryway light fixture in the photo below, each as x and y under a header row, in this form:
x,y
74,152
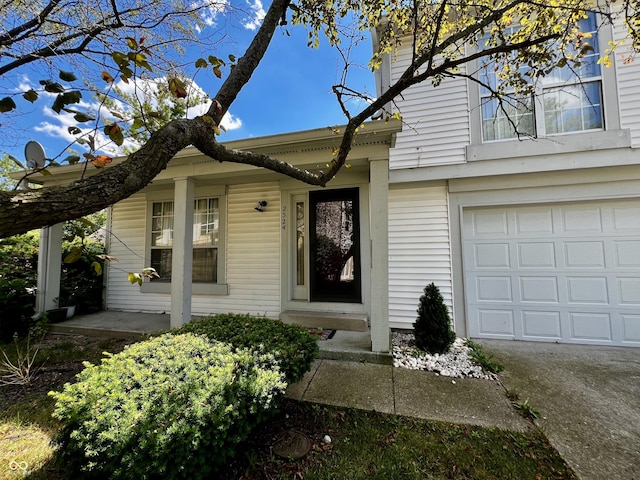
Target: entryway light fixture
x,y
260,206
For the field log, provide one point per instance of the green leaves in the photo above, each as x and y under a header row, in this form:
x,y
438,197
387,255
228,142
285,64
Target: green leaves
x,y
97,267
177,87
114,132
66,98
177,393
51,86
74,255
134,278
7,104
216,64
67,76
30,96
71,159
137,57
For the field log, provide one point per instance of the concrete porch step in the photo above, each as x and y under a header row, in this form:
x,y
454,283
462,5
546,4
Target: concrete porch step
x,y
352,347
355,322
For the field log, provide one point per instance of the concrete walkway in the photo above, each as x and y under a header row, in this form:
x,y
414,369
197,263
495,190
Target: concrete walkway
x,y
399,391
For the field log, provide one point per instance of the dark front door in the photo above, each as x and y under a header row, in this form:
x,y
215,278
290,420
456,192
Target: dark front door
x,y
334,254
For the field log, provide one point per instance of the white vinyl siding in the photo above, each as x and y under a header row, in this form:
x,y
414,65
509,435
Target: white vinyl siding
x,y
436,121
252,256
253,253
419,250
628,88
128,223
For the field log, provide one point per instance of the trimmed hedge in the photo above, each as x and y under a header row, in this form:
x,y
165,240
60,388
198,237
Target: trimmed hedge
x,y
293,346
171,407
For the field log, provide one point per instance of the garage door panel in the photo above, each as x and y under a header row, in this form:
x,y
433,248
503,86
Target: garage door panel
x,y
490,224
534,221
626,218
584,255
495,323
539,289
630,327
629,291
564,272
590,326
582,220
541,325
536,255
592,290
494,289
627,254
492,255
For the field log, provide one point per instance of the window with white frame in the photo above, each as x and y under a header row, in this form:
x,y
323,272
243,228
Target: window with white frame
x,y
567,100
206,239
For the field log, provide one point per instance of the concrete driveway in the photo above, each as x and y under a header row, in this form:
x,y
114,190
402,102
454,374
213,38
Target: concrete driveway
x,y
588,398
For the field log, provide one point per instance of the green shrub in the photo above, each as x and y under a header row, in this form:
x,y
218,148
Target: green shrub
x,y
293,346
432,328
18,267
79,283
171,407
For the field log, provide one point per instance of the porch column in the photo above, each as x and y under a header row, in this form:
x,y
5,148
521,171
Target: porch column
x,y
49,267
379,214
182,254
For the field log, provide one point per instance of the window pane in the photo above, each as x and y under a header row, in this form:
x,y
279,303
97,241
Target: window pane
x,y
205,265
573,108
161,261
300,247
588,67
206,219
162,224
497,122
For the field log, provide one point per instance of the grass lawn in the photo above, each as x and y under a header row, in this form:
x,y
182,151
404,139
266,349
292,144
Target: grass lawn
x,y
364,445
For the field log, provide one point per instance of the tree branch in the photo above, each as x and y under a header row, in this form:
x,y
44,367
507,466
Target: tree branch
x,y
247,64
10,37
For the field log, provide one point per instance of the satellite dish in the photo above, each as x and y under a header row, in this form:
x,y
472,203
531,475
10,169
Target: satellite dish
x,y
34,153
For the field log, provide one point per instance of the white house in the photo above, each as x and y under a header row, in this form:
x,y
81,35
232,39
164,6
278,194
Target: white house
x,y
533,239
530,240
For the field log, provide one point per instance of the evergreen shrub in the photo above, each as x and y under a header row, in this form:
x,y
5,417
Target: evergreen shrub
x,y
293,346
171,407
432,329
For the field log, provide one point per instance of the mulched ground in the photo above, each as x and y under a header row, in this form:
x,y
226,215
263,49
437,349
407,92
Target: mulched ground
x,y
52,374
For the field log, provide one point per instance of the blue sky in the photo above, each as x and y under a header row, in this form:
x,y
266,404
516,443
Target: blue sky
x,y
290,91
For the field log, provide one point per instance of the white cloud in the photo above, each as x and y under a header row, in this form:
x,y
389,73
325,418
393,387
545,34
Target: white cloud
x,y
257,15
230,122
25,84
57,125
209,11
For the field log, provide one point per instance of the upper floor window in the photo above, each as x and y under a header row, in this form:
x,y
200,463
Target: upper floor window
x,y
567,100
206,237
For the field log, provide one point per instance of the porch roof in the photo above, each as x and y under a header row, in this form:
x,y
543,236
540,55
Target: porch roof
x,y
307,147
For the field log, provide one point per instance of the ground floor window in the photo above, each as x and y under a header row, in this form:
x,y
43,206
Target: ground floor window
x,y
206,239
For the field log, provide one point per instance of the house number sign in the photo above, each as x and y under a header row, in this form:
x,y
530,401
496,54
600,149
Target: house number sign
x,y
283,220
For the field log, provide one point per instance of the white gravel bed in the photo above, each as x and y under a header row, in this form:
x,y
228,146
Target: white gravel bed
x,y
456,363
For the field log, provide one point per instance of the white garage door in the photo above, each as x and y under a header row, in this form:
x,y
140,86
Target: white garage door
x,y
565,273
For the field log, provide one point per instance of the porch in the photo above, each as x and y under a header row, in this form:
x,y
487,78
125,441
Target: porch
x,y
343,345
